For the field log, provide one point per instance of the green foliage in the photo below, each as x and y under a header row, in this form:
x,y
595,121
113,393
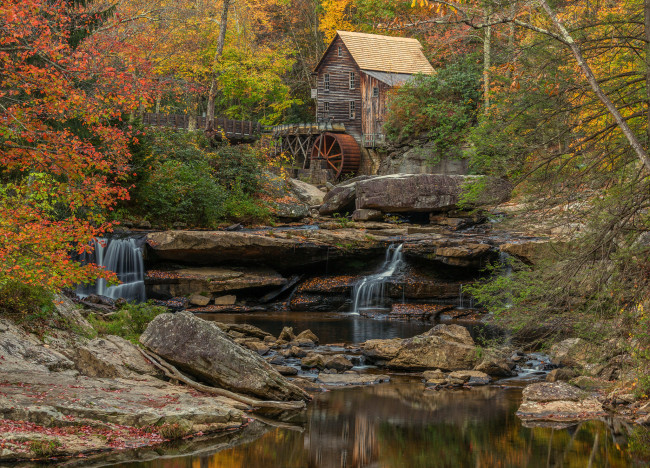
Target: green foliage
x,y
639,443
177,430
129,322
342,220
44,448
184,179
181,192
25,301
440,107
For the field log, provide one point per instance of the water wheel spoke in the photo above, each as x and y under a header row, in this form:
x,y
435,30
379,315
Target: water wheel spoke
x,y
335,156
337,169
331,146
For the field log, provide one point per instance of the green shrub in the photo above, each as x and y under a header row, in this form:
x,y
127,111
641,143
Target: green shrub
x,y
129,322
238,168
24,300
241,207
438,107
179,192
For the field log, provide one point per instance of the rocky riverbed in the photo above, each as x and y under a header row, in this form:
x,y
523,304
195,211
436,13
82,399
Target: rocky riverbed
x,y
63,395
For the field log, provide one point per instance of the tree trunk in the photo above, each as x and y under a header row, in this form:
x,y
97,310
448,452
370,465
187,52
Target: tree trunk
x,y
487,63
593,82
646,17
223,27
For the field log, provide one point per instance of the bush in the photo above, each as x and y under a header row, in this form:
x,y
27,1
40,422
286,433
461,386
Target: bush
x,y
25,300
438,107
178,192
186,180
129,322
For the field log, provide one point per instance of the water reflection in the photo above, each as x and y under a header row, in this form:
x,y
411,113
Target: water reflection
x,y
400,425
329,327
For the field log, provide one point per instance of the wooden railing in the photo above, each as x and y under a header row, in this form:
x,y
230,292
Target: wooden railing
x,y
242,129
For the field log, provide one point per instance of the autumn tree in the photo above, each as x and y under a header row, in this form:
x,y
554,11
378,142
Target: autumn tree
x,y
63,146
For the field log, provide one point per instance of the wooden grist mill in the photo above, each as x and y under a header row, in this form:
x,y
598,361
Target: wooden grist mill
x,y
353,79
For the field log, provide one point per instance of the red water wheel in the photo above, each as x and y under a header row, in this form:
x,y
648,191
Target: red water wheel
x,y
339,152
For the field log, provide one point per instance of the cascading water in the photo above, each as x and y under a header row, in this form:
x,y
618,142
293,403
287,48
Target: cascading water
x,y
124,257
369,292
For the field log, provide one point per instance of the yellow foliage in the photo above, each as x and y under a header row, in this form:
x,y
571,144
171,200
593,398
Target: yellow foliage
x,y
335,17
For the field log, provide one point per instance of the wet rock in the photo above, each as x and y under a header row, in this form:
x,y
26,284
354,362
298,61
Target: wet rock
x,y
313,360
286,370
423,192
204,351
287,334
257,346
338,362
383,350
469,377
562,374
308,335
199,300
433,374
352,379
112,357
225,300
306,193
558,401
294,351
302,343
496,367
367,215
447,347
245,329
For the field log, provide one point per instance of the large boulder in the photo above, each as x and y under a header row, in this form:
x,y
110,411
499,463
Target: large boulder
x,y
558,401
204,351
423,192
306,193
446,347
340,199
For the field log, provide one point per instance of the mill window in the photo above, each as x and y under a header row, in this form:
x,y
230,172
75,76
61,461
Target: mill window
x,y
353,80
340,51
353,109
375,91
326,107
326,82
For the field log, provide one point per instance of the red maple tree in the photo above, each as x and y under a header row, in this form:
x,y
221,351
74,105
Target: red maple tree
x,y
63,144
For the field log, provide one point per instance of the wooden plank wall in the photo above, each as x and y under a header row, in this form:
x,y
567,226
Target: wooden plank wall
x,y
374,108
340,94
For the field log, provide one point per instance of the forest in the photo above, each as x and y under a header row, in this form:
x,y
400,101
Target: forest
x,y
548,97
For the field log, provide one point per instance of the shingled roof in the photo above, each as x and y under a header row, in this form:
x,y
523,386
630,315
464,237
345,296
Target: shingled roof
x,y
387,54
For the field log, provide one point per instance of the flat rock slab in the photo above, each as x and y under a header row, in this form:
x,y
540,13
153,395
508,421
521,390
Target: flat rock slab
x,y
352,379
88,414
214,280
558,401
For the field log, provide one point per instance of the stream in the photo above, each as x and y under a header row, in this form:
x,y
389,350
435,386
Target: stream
x,y
400,424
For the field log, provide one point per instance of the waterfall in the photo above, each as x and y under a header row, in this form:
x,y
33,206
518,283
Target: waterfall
x,y
124,257
369,292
